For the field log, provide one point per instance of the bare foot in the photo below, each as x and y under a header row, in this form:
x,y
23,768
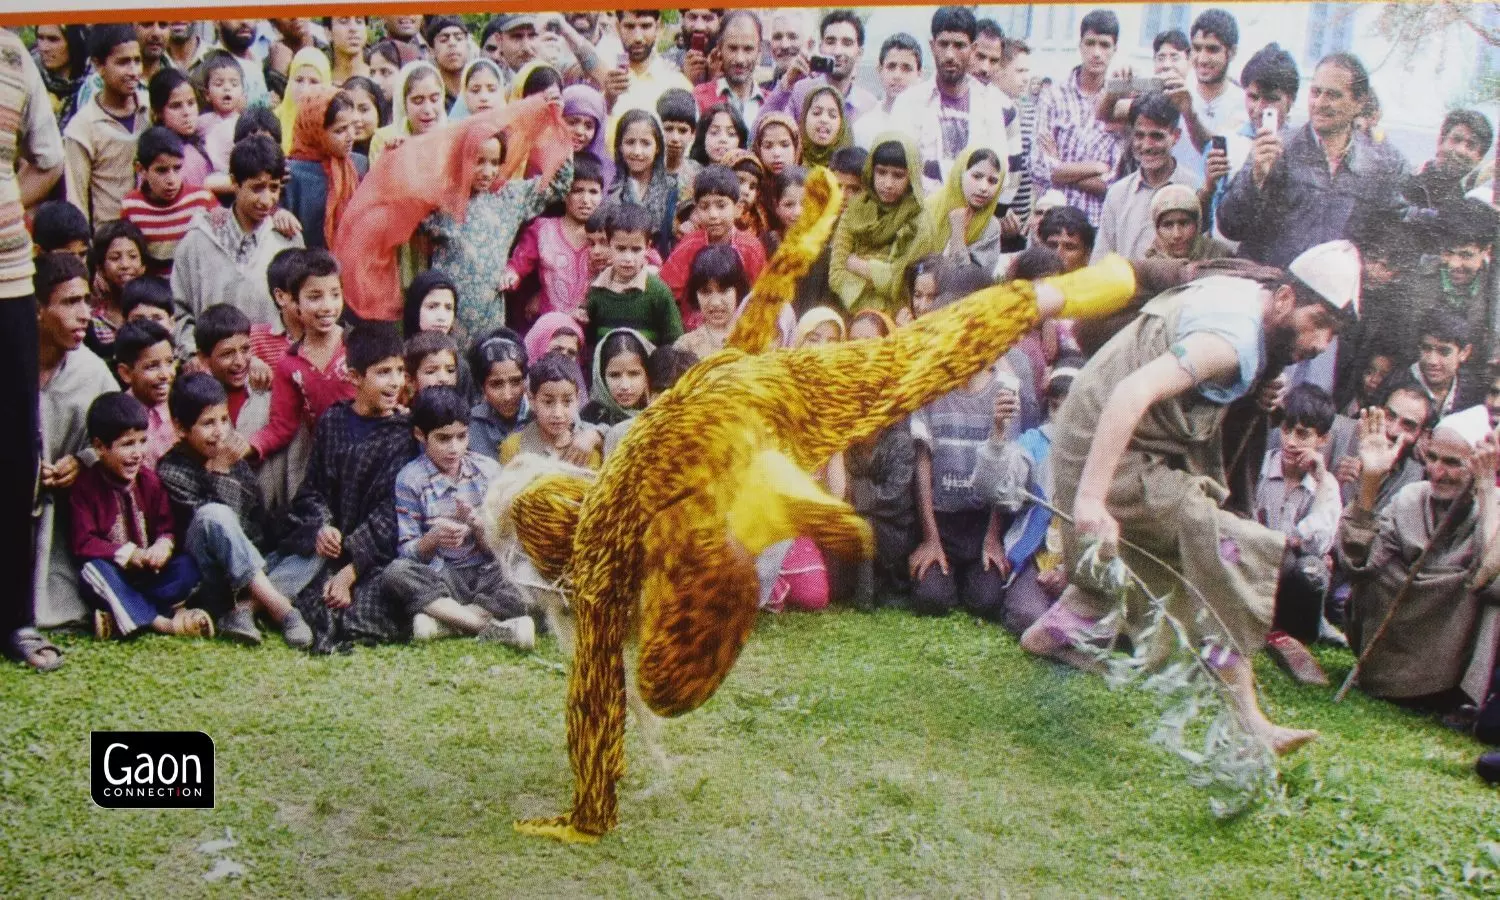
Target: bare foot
x,y
1043,641
1283,741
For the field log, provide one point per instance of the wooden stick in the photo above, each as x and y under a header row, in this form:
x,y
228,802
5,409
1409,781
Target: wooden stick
x,y
1449,521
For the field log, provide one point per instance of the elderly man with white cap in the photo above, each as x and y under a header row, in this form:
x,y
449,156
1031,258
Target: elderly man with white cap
x,y
1438,649
1137,454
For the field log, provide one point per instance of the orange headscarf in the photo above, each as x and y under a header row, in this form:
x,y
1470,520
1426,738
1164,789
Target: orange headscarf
x,y
310,142
431,172
753,217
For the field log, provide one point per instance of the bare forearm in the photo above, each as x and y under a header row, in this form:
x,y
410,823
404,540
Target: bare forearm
x,y
924,493
1117,424
35,184
1075,172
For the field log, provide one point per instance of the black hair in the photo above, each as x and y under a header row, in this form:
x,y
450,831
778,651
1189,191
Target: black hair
x,y
631,117
388,49
313,263
53,269
136,337
59,223
491,28
630,218
586,167
1466,222
889,153
1218,23
148,290
552,367
699,151
1309,406
848,161
163,83
371,343
424,284
1012,48
191,395
216,61
1070,219
677,105
618,343
959,19
219,322
1101,22
848,17
931,264
1404,382
988,28
646,13
720,264
258,155
257,120
716,181
103,39
1171,37
1156,107
666,365
541,78
599,221
1273,69
113,414
76,39
422,344
279,271
496,346
1446,326
109,232
433,26
158,140
368,86
1059,386
1036,262
340,102
437,407
1359,76
1471,119
985,154
901,41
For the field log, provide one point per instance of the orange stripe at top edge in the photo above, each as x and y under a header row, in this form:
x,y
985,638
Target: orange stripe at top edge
x,y
371,10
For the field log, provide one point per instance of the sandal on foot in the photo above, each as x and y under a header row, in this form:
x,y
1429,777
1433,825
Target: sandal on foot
x,y
192,623
28,646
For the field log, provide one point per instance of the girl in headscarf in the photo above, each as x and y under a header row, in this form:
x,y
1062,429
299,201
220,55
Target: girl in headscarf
x,y
620,388
416,107
387,59
437,172
640,167
585,113
824,126
750,216
959,221
371,110
309,68
499,361
324,169
877,232
556,332
481,87
536,77
776,142
818,326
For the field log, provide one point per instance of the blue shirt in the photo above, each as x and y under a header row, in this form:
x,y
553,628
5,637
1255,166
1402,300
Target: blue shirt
x,y
424,493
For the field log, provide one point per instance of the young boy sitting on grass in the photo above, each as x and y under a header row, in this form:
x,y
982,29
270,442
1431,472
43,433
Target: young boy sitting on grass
x,y
625,295
123,532
146,363
344,511
221,513
716,193
160,207
444,580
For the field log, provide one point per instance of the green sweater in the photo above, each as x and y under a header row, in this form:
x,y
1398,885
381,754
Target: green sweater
x,y
653,312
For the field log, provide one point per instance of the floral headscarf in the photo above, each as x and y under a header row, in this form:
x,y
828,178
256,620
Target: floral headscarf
x,y
765,121
753,219
310,142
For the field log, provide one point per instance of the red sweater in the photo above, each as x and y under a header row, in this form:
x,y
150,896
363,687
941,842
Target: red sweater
x,y
679,265
100,528
299,394
164,226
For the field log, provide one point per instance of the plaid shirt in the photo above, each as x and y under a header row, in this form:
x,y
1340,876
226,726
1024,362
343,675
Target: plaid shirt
x,y
1066,116
424,493
190,485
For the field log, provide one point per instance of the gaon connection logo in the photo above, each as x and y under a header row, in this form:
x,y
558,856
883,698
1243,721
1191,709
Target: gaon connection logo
x,y
151,769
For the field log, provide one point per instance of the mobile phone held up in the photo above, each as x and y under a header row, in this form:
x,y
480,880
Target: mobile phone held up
x,y
1270,119
820,65
1219,142
1137,85
699,42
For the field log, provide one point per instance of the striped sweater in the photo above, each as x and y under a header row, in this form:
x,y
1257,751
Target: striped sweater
x,y
15,243
164,226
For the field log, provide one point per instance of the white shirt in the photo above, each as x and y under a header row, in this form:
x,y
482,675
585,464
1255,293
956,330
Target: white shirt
x,y
918,113
1222,115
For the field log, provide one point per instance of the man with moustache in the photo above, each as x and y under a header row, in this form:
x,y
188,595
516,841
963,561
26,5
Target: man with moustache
x,y
1126,226
739,51
1137,455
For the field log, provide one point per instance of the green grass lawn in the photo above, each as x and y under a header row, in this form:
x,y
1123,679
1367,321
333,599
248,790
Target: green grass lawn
x,y
847,755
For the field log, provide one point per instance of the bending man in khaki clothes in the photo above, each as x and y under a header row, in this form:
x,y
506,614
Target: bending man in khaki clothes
x,y
1138,454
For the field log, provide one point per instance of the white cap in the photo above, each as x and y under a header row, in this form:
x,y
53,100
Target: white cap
x,y
1470,425
1332,271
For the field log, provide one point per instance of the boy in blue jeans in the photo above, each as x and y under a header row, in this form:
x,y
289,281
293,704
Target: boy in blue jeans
x,y
123,532
443,579
220,511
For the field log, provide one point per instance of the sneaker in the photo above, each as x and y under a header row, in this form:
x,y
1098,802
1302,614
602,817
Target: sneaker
x,y
519,632
239,626
426,628
1296,659
295,632
104,625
